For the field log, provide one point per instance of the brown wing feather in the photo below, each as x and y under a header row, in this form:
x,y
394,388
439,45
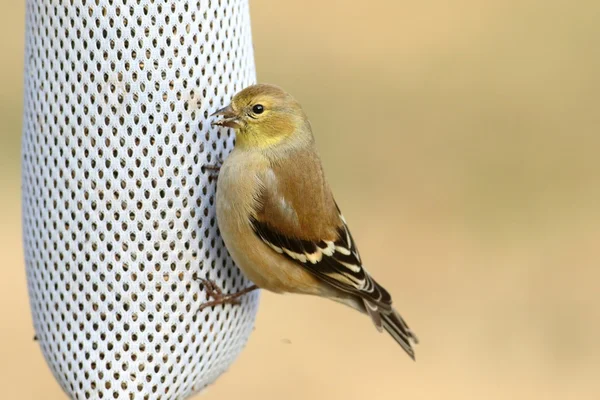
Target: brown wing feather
x,y
299,218
296,200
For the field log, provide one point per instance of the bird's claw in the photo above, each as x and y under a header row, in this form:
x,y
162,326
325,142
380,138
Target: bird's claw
x,y
212,170
211,288
213,177
214,291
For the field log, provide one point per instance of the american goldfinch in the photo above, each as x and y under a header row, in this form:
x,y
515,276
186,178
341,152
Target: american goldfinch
x,y
278,217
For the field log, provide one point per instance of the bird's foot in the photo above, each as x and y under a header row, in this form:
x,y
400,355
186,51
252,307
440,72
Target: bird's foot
x,y
212,170
214,291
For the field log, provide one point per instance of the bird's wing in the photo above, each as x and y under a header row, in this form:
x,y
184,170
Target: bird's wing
x,y
336,261
298,218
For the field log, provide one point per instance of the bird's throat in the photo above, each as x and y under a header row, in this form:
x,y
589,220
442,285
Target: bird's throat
x,y
246,139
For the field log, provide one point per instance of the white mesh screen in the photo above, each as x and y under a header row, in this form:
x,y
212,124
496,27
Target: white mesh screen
x,y
118,210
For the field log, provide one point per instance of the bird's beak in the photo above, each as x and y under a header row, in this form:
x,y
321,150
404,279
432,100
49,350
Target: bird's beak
x,y
230,117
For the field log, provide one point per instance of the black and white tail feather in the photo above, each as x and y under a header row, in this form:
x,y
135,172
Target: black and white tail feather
x,y
397,328
338,263
393,323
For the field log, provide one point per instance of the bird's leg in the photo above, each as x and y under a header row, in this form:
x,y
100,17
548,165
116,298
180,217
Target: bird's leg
x,y
214,291
213,169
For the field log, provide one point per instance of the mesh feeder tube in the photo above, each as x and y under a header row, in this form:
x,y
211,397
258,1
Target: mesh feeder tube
x,y
118,211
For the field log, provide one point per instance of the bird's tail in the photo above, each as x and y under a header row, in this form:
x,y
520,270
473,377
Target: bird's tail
x,y
393,323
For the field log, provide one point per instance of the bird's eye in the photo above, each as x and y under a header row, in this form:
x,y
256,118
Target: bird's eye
x,y
258,109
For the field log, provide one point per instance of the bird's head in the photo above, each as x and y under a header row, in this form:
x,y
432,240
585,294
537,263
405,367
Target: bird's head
x,y
263,115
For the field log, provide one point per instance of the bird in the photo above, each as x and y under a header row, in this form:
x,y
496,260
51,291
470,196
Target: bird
x,y
278,218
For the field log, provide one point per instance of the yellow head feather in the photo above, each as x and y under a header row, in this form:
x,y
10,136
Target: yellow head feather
x,y
264,115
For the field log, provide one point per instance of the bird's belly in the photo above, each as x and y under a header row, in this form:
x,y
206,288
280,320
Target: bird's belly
x,y
272,271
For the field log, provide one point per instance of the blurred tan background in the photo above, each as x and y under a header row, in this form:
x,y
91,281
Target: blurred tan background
x,y
462,140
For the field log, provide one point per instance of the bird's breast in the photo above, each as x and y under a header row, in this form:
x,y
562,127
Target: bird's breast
x,y
238,186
